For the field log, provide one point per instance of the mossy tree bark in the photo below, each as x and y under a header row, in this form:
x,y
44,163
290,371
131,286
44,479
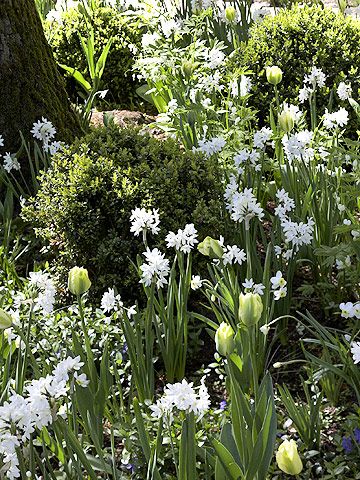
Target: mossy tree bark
x,y
30,85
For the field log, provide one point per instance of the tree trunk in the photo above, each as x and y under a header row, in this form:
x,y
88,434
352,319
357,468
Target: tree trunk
x,y
30,85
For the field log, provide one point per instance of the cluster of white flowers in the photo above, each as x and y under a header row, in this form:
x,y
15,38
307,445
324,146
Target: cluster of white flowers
x,y
196,282
21,415
341,264
344,91
262,137
297,146
47,291
156,269
169,26
293,110
336,119
209,147
355,350
316,78
296,234
110,301
184,240
45,131
252,287
243,205
143,220
278,286
246,156
211,83
233,254
184,397
11,162
350,310
215,58
241,88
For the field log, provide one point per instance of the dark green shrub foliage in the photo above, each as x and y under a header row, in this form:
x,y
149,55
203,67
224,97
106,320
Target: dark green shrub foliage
x,y
85,200
296,40
118,75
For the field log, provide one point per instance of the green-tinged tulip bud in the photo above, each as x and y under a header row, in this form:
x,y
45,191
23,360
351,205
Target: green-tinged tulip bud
x,y
5,320
274,75
78,281
288,459
188,67
224,339
250,308
286,121
230,14
211,248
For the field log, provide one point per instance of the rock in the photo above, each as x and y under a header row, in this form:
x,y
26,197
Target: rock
x,y
122,118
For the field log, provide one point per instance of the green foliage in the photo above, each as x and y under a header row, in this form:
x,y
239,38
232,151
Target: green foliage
x,y
107,23
85,200
295,40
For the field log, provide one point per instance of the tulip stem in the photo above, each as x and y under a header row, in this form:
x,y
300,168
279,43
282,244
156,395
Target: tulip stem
x,y
89,354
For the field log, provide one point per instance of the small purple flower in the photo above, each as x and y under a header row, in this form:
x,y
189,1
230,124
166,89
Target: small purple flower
x,y
124,349
223,404
357,434
130,467
347,444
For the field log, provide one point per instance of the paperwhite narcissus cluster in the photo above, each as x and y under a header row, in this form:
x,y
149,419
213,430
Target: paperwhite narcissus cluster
x,y
295,234
184,240
155,269
143,220
21,415
184,397
243,206
47,291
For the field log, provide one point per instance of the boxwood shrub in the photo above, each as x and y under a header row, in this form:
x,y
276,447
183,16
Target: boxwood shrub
x,y
295,40
118,76
83,207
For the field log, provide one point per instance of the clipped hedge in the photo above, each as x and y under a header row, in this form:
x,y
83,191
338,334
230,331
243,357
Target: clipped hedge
x,y
118,76
297,39
85,200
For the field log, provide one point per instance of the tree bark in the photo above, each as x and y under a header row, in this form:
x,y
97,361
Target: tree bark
x,y
30,85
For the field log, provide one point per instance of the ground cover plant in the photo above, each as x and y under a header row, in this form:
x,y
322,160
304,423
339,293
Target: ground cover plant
x,y
180,299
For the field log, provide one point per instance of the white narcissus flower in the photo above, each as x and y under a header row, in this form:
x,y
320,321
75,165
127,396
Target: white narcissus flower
x,y
281,293
196,282
184,397
184,240
355,350
344,91
11,162
336,119
110,301
233,254
143,220
265,329
277,281
156,269
350,310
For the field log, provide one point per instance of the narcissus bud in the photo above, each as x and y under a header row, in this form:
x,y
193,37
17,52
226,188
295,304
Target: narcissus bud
x,y
224,339
274,75
211,248
230,14
286,121
288,459
5,320
78,281
250,308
